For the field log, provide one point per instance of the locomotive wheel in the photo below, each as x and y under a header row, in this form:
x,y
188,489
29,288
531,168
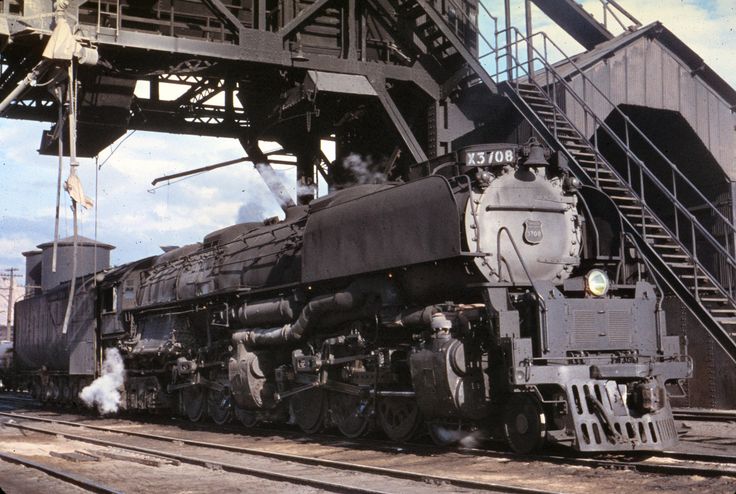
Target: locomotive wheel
x,y
524,423
351,414
399,418
219,407
194,402
66,392
248,418
308,410
54,391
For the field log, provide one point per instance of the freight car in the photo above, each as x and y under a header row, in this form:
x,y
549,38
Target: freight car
x,y
491,295
6,360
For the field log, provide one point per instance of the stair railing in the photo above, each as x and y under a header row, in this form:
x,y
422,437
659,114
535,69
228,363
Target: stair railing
x,y
516,69
554,80
613,9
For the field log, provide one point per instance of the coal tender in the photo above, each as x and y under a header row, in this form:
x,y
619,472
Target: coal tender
x,y
490,296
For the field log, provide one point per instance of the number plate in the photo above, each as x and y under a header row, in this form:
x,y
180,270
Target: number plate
x,y
489,158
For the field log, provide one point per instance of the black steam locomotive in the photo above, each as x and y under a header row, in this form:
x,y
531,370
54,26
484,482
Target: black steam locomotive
x,y
490,295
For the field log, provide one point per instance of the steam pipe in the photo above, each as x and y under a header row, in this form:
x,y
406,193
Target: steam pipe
x,y
411,317
267,312
352,297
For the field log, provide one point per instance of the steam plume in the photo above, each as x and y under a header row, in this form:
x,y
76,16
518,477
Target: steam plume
x,y
468,439
104,392
362,170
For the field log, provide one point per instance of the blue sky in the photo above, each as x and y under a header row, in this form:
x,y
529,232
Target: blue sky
x,y
138,220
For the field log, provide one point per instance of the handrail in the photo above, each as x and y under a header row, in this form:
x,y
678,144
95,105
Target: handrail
x,y
543,59
611,6
692,219
697,231
710,206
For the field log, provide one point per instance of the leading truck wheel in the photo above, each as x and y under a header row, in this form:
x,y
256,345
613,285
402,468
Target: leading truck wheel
x,y
524,423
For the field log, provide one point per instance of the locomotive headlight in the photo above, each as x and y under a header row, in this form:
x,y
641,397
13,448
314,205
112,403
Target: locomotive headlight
x,y
597,282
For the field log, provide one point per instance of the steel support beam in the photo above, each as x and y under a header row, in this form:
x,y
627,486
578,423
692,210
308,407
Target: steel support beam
x,y
304,16
576,21
227,17
407,135
468,57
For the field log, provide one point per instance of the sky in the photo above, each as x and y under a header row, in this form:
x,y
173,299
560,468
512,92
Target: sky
x,y
137,219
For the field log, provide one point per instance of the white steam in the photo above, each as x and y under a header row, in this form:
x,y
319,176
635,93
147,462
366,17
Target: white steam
x,y
275,184
467,439
104,392
305,189
362,170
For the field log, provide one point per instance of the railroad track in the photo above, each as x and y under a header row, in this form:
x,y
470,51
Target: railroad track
x,y
704,414
390,480
60,474
702,464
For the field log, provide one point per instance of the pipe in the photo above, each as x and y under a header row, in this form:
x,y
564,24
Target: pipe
x,y
268,312
529,38
410,317
75,207
344,301
28,80
507,19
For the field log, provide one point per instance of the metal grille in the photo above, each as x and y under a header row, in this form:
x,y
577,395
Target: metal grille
x,y
620,326
583,330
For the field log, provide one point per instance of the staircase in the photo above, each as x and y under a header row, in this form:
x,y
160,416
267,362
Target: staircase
x,y
674,255
684,253
443,41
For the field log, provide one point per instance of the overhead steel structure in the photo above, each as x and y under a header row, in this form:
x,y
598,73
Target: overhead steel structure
x,y
401,81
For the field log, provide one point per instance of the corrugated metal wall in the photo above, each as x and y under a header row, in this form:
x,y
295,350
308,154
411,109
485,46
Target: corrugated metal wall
x,y
645,73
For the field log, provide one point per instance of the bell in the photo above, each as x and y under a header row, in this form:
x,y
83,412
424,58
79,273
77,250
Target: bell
x,y
299,56
536,156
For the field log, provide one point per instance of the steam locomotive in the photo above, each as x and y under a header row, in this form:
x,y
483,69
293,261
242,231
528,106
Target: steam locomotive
x,y
492,294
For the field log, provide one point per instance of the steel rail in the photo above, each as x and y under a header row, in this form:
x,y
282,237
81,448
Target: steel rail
x,y
338,465
702,457
68,477
704,414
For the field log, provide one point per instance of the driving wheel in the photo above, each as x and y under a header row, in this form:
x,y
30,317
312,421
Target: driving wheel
x,y
308,410
399,418
219,406
351,414
194,402
248,418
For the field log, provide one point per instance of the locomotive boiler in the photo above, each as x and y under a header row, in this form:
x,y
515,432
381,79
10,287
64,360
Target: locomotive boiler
x,y
491,295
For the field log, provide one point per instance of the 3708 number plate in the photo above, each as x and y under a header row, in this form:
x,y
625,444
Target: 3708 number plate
x,y
486,158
